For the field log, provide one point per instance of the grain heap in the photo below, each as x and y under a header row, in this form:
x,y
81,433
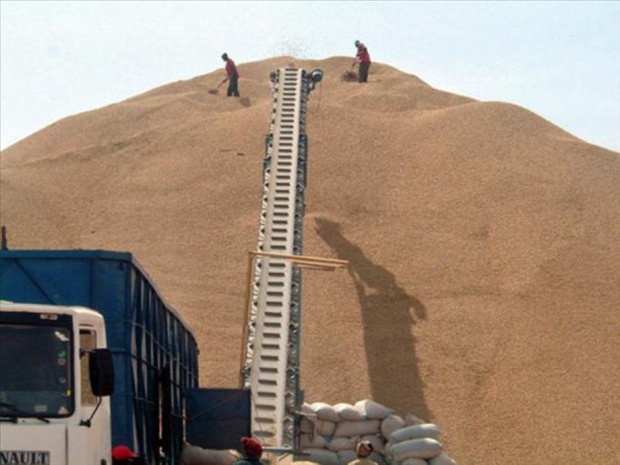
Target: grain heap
x,y
483,245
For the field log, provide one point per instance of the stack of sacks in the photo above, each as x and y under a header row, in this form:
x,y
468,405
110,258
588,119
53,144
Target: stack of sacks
x,y
413,442
329,435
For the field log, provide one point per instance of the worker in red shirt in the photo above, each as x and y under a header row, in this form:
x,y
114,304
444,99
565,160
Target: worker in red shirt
x,y
232,76
363,58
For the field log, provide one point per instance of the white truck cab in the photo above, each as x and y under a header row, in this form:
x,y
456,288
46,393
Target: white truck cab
x,y
55,378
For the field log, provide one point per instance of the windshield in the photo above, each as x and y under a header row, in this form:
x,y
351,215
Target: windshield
x,y
35,371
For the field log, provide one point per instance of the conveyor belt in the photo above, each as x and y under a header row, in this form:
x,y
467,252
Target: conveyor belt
x,y
272,356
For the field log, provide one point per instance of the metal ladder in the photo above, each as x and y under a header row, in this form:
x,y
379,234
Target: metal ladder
x,y
271,369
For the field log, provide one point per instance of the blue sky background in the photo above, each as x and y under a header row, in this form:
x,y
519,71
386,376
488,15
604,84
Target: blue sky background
x,y
559,59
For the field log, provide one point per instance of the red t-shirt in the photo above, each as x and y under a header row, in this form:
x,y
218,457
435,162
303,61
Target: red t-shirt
x,y
231,68
362,54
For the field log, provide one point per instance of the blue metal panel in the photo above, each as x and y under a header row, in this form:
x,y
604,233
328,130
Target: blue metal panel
x,y
150,342
218,418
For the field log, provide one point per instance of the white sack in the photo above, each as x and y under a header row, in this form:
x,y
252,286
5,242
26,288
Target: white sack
x,y
387,451
324,428
357,428
312,441
194,455
323,456
373,410
424,448
346,456
414,461
411,419
325,411
342,444
426,430
378,458
390,424
348,412
442,459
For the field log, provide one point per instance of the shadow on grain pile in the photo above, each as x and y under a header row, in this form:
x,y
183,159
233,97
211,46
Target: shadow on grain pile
x,y
387,320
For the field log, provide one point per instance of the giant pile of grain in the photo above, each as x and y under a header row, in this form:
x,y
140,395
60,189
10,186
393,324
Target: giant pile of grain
x,y
483,287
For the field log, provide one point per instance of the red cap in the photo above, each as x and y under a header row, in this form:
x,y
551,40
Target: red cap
x,y
252,447
122,453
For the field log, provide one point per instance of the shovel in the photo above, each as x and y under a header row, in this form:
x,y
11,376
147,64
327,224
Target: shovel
x,y
217,89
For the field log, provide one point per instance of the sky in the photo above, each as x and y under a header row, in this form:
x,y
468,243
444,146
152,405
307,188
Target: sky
x,y
559,59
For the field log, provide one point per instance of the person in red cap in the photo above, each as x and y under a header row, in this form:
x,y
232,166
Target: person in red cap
x,y
123,455
252,452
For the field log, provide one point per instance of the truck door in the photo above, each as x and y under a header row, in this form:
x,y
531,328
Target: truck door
x,y
90,444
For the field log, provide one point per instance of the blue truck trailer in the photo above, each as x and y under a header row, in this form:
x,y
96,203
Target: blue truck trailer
x,y
154,353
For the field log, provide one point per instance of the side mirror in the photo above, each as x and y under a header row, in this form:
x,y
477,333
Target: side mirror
x,y
101,372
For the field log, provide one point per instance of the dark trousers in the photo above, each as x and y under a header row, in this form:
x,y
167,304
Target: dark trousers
x,y
364,66
233,86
